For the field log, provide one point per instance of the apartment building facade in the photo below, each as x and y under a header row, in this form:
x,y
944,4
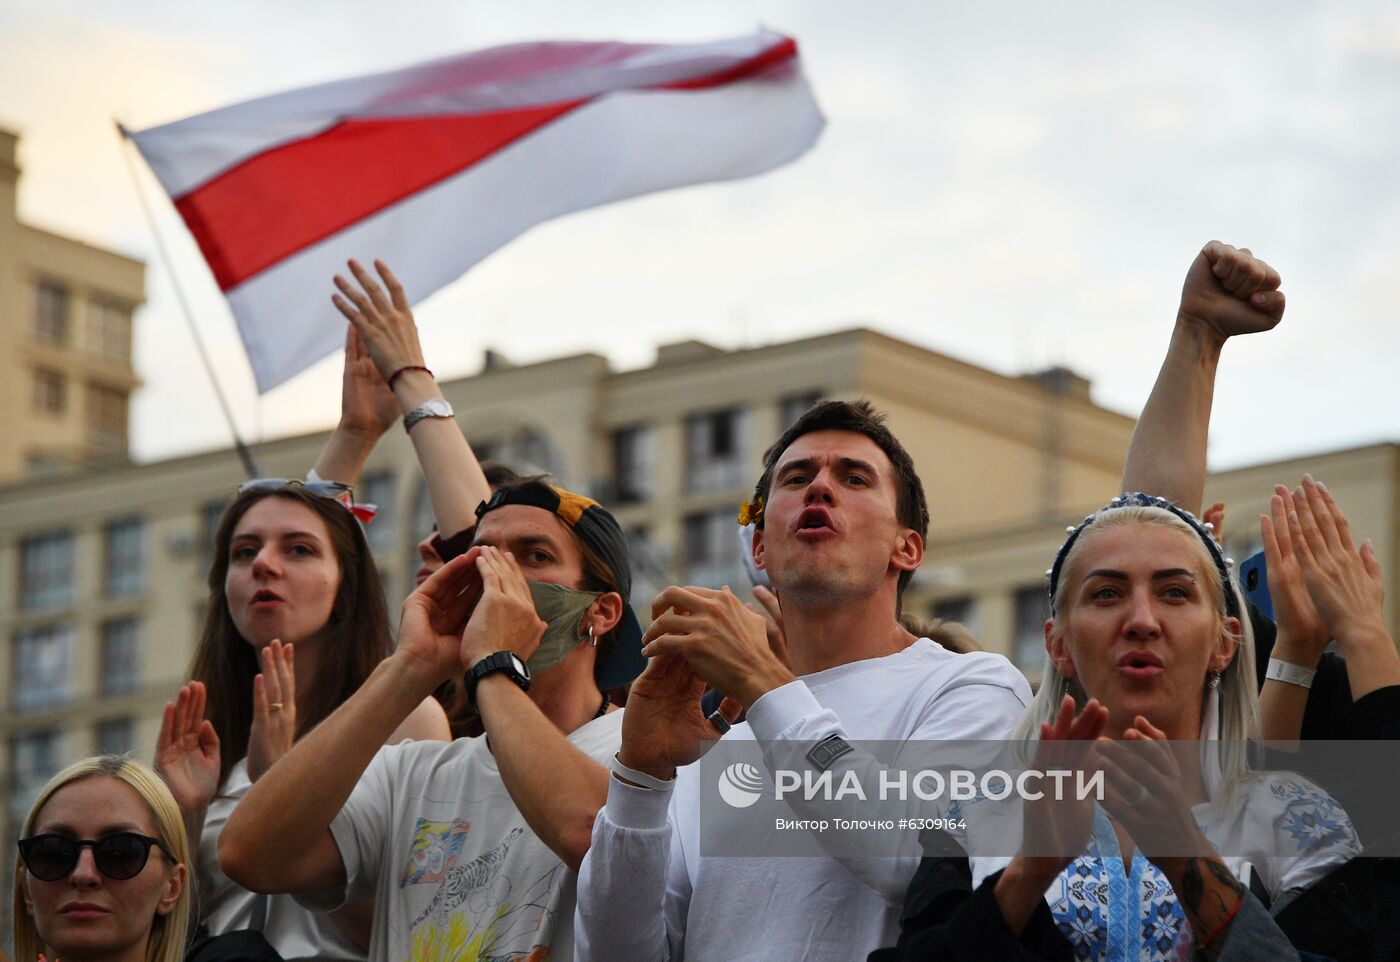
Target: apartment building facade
x,y
102,570
66,311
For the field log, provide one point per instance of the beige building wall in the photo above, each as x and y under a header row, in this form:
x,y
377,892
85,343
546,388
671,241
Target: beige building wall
x,y
986,571
65,342
560,416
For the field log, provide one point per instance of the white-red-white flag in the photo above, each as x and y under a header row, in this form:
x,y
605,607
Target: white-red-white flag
x,y
435,166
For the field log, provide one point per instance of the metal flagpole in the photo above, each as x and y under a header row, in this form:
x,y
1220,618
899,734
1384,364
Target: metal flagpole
x,y
244,455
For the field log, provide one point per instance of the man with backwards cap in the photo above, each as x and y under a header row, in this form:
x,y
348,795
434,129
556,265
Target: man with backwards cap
x,y
469,848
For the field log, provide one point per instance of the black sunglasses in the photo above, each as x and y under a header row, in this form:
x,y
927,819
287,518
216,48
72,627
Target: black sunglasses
x,y
120,856
321,489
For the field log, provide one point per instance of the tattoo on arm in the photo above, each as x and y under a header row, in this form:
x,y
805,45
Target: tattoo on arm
x,y
1208,898
1192,886
1224,877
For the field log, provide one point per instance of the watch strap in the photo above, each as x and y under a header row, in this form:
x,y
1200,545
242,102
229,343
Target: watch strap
x,y
432,408
501,661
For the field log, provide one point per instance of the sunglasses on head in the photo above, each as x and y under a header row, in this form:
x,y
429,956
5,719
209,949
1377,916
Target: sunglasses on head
x,y
119,856
321,489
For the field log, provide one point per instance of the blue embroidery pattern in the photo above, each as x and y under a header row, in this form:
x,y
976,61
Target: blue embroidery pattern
x,y
1313,820
1110,916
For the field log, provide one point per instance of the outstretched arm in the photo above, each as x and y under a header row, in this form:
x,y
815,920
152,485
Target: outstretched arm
x,y
456,484
1228,291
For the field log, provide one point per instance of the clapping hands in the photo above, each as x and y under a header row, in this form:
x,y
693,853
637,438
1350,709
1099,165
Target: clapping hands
x,y
187,750
274,709
1344,582
384,321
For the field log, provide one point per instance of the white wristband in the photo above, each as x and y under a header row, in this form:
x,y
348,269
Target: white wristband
x,y
1290,674
641,779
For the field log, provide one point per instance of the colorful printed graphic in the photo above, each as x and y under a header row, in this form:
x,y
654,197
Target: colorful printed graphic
x,y
435,849
478,915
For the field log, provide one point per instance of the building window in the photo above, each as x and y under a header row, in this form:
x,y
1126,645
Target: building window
x,y
1032,609
51,311
962,609
210,514
46,570
523,450
34,759
711,550
651,569
634,463
42,660
116,736
715,443
378,489
109,329
422,526
106,421
50,391
124,561
121,657
793,406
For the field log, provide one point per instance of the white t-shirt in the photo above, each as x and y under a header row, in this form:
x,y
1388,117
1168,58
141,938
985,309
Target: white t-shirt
x,y
646,894
432,834
226,907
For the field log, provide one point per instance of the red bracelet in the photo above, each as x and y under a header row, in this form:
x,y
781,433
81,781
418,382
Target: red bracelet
x,y
408,367
1225,924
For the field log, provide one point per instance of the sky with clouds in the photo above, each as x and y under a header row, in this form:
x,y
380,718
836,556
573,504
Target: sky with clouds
x,y
1015,184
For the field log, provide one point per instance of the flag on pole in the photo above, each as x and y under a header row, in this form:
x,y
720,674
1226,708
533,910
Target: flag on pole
x,y
435,166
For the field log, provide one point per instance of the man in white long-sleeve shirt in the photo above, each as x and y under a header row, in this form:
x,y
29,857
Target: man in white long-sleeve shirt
x,y
841,521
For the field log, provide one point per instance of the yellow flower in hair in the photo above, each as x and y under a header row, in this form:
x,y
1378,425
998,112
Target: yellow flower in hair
x,y
751,512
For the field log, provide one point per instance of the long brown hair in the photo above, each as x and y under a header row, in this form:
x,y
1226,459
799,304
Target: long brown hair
x,y
355,639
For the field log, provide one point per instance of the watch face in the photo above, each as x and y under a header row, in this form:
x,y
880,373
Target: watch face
x,y
438,407
520,666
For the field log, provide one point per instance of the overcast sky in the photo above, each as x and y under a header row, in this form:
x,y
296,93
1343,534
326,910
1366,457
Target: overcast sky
x,y
1015,184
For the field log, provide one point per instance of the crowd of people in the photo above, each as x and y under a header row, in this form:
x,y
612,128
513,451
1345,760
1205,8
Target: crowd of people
x,y
515,775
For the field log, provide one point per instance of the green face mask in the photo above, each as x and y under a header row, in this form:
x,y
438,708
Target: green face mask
x,y
562,609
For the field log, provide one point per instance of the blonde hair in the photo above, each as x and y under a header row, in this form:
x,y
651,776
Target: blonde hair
x,y
1238,694
167,941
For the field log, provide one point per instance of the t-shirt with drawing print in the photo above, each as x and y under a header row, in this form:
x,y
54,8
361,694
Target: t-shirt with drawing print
x,y
456,874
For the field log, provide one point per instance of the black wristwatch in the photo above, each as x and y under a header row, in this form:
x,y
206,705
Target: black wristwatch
x,y
505,661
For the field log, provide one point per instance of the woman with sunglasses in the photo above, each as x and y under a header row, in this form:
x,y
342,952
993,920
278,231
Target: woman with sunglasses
x,y
102,872
293,591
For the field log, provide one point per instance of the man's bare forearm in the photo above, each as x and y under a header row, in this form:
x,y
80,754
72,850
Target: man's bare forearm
x,y
290,808
1167,455
557,788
